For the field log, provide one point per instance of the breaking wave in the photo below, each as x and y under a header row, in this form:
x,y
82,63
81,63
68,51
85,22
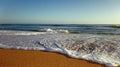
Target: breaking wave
x,y
35,32
54,31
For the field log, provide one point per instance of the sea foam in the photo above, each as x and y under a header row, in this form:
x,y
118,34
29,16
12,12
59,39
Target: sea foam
x,y
103,49
54,31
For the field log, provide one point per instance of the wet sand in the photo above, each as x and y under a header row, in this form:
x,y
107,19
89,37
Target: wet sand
x,y
28,58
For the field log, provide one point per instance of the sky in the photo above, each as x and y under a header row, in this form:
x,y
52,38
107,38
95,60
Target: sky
x,y
60,11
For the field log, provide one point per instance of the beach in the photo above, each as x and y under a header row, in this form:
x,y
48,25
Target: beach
x,y
30,58
102,49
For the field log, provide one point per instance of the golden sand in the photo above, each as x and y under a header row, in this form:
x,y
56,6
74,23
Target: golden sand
x,y
27,58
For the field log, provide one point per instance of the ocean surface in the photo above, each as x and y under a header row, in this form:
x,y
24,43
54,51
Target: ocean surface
x,y
97,43
72,28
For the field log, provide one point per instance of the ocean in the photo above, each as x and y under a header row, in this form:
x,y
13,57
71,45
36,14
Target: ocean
x,y
92,42
72,28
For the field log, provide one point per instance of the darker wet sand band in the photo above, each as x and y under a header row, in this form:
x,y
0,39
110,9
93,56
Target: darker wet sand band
x,y
27,58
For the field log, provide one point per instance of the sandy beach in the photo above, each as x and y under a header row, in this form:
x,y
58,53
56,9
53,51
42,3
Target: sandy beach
x,y
28,58
97,48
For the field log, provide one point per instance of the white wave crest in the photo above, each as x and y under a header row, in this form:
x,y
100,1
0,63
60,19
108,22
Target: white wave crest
x,y
6,32
54,31
63,31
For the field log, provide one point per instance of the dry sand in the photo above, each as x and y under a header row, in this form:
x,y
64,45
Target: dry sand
x,y
27,58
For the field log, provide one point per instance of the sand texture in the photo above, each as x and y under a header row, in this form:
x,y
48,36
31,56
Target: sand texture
x,y
26,58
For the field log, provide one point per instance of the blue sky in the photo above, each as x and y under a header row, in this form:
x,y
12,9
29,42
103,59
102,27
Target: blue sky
x,y
60,11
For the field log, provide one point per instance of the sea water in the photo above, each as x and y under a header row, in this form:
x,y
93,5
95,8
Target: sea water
x,y
73,28
97,43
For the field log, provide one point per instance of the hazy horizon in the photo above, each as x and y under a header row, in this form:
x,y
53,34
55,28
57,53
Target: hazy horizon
x,y
59,11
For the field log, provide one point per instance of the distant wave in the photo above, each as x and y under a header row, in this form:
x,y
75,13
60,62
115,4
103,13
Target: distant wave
x,y
115,26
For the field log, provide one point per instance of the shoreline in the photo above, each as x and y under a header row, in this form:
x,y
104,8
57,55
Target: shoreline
x,y
36,58
97,48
